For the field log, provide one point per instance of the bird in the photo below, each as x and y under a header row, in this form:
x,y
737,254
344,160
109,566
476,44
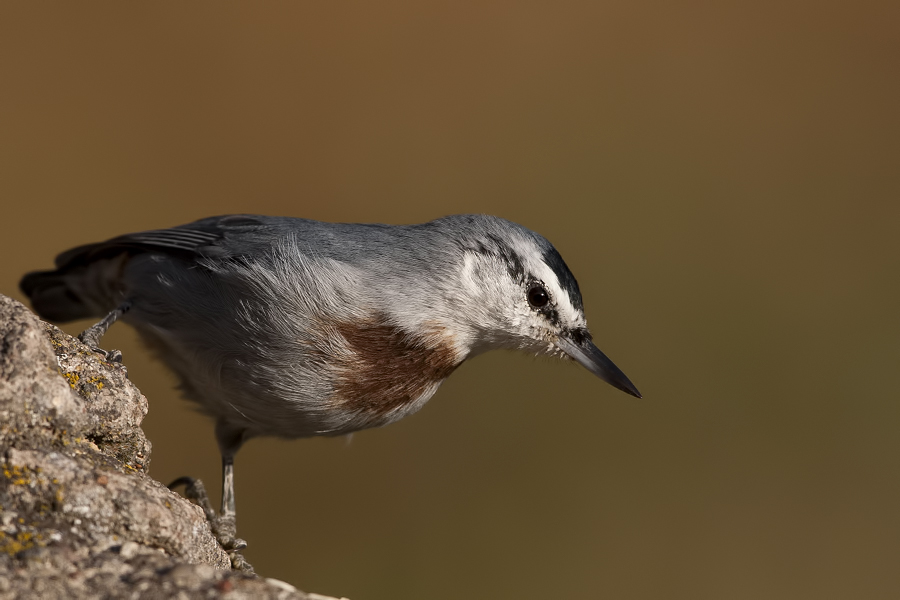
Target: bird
x,y
290,327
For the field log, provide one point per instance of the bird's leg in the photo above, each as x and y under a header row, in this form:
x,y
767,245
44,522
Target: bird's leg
x,y
226,528
224,524
91,336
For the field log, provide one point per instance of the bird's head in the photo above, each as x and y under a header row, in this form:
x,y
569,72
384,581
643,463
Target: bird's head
x,y
512,289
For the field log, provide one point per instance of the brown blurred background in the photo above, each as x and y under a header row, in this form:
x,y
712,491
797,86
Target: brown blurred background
x,y
723,179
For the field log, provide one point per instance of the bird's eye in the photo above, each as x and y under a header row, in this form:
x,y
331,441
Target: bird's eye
x,y
537,296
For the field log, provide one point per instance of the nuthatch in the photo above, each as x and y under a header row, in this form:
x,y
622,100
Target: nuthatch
x,y
294,328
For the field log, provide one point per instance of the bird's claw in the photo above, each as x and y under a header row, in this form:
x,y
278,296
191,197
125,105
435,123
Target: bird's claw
x,y
237,544
93,342
223,526
114,356
110,356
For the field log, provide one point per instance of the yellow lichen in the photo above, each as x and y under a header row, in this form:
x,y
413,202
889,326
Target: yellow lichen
x,y
22,541
97,381
72,378
17,475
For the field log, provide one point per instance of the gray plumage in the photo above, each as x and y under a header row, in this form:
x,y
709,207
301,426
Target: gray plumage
x,y
293,328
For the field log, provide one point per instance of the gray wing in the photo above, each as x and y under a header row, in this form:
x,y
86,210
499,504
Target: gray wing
x,y
86,279
214,237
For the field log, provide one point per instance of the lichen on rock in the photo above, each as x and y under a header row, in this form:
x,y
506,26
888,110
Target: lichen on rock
x,y
80,517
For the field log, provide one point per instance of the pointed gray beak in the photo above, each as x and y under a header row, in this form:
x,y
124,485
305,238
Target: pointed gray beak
x,y
580,347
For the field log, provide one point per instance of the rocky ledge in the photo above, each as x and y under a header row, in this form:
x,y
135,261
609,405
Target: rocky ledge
x,y
79,515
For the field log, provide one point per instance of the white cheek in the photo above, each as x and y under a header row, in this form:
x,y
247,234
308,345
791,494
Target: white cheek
x,y
486,291
522,317
469,278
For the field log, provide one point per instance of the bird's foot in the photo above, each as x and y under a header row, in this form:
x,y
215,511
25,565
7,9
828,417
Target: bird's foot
x,y
223,526
113,357
110,356
90,337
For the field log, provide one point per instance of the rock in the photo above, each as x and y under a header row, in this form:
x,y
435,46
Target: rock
x,y
79,515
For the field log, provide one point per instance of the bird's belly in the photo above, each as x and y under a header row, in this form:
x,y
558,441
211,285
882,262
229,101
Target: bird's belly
x,y
293,417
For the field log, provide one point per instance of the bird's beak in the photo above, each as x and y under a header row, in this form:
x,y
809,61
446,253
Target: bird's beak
x,y
583,350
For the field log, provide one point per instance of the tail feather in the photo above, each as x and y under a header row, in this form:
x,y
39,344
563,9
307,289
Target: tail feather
x,y
88,279
85,284
52,298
